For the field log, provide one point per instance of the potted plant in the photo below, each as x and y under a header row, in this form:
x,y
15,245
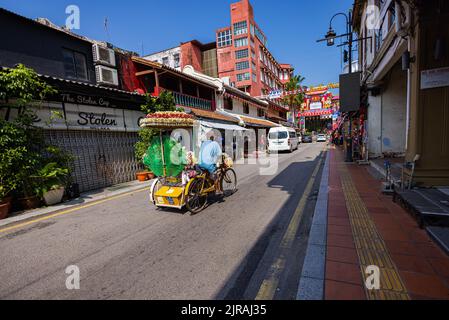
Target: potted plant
x,y
142,176
50,184
5,202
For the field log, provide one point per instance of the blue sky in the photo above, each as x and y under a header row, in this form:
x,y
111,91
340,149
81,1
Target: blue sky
x,y
291,26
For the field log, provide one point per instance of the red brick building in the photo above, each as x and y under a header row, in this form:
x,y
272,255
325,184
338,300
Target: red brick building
x,y
243,57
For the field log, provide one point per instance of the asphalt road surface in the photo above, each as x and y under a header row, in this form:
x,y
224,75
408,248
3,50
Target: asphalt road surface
x,y
127,249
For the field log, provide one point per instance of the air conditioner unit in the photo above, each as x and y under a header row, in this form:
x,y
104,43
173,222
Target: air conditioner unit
x,y
106,75
103,55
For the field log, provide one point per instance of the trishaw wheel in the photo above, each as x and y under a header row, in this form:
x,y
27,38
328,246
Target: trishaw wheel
x,y
195,201
229,182
157,184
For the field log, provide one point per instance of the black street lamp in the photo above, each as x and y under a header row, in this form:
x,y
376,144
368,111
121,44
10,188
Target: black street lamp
x,y
330,39
331,35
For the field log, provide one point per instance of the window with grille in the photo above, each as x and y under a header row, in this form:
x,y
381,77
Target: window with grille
x,y
241,42
242,65
243,76
176,60
75,65
224,38
240,54
240,28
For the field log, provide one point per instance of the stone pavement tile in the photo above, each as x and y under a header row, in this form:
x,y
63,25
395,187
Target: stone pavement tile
x,y
341,254
401,247
335,290
393,233
378,210
338,221
419,235
412,263
338,212
385,221
318,234
440,265
344,272
425,285
430,250
341,230
314,262
340,241
310,289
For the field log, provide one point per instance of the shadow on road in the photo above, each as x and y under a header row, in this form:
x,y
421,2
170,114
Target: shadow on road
x,y
248,276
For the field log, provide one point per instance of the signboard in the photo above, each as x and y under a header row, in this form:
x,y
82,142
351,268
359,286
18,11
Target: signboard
x,y
316,105
132,119
350,92
94,118
275,94
435,78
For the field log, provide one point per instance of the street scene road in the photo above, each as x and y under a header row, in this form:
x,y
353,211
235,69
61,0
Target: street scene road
x,y
127,249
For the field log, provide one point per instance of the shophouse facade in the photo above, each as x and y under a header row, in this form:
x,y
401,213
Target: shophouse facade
x,y
100,117
405,82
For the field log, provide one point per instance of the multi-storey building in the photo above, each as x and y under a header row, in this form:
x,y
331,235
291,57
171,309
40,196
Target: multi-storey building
x,y
243,57
202,57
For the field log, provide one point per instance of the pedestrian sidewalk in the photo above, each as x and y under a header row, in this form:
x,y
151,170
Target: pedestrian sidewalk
x,y
366,228
84,199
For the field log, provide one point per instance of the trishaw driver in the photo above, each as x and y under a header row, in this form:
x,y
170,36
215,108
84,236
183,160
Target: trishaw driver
x,y
209,154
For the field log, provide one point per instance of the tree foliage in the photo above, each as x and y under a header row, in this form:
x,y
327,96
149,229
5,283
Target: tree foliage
x,y
294,101
23,148
23,86
164,102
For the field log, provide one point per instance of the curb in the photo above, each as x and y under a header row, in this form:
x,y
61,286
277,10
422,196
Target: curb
x,y
311,282
85,198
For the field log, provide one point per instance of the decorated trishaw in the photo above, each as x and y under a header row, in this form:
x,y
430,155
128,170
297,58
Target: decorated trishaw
x,y
180,182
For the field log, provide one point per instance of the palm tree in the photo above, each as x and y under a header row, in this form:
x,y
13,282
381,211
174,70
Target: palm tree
x,y
294,100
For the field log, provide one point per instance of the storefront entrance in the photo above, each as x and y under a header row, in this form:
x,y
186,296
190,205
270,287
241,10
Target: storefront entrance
x,y
101,158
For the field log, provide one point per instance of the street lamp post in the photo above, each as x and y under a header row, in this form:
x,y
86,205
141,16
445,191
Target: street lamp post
x,y
330,39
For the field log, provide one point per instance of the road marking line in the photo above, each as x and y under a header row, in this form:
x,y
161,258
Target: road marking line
x,y
268,287
91,204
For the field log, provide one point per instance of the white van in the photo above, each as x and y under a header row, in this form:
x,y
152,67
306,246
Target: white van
x,y
282,139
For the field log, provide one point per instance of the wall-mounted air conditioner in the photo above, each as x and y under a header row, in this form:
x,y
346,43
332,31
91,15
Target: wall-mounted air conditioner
x,y
106,75
103,55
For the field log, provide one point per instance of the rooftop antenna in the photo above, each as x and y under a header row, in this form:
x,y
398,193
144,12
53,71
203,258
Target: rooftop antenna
x,y
106,29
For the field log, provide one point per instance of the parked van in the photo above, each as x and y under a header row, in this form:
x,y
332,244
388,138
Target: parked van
x,y
282,139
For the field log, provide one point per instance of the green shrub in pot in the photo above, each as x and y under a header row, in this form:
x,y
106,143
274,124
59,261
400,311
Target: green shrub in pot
x,y
50,182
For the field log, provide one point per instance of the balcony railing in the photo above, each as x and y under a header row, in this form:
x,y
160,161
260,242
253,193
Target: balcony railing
x,y
185,100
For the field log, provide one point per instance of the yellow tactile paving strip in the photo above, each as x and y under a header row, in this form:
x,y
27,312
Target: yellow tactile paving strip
x,y
370,247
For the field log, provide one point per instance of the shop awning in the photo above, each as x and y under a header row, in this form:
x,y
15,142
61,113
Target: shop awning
x,y
258,122
219,125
